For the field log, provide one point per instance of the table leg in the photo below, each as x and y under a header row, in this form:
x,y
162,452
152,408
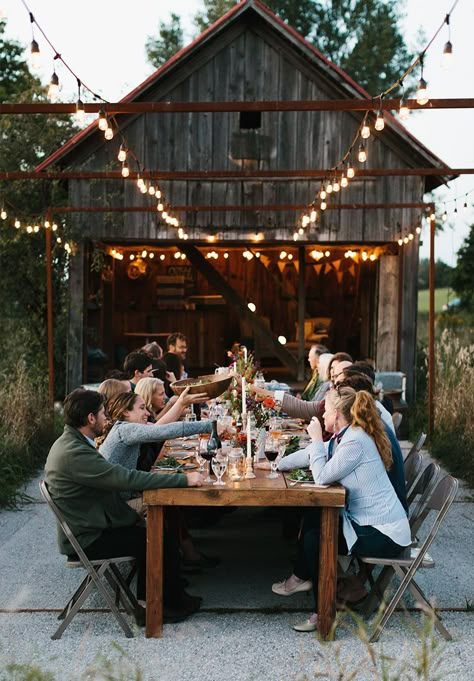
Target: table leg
x,y
327,570
154,572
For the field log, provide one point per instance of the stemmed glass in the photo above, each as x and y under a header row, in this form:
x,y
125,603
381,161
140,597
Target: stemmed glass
x,y
271,452
219,465
199,458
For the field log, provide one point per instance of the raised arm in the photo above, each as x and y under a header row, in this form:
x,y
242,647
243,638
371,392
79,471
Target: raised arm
x,y
136,433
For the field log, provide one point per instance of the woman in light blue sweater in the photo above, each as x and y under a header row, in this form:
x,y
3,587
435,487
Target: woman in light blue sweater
x,y
358,456
128,428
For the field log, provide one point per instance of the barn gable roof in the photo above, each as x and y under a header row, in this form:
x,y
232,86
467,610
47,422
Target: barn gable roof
x,y
335,76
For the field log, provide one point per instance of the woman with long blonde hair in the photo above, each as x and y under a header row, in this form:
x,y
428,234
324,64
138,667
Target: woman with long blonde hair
x,y
358,457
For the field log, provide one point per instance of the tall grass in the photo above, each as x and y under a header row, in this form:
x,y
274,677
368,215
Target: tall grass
x,y
27,429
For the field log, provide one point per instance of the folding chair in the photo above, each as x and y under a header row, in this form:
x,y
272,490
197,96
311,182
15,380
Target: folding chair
x,y
417,446
412,469
96,569
406,565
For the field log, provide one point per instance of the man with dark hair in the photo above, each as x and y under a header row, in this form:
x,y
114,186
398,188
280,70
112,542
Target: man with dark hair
x,y
138,365
86,488
175,356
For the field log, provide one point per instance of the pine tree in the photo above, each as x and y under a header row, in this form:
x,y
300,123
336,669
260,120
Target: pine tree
x,y
463,275
170,41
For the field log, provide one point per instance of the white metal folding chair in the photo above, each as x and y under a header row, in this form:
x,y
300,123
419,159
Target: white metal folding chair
x,y
106,568
417,445
406,565
412,469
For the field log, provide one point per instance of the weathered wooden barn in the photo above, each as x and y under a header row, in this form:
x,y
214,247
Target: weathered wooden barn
x,y
344,279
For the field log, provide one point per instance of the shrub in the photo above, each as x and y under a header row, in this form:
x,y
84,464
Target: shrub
x,y
27,430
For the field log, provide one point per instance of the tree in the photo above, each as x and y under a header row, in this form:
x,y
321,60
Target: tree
x,y
170,41
463,275
360,36
443,274
26,140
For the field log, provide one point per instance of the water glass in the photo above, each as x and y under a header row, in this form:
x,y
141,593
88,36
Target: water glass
x,y
219,465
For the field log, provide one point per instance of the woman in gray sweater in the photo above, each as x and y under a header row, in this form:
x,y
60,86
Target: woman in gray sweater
x,y
128,428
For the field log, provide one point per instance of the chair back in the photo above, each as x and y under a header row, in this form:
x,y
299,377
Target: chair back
x,y
64,526
412,469
417,446
424,483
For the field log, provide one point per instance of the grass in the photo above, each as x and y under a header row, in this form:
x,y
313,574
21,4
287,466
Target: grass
x,y
442,295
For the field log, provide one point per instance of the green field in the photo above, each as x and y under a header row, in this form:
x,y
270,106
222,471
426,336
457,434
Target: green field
x,y
442,295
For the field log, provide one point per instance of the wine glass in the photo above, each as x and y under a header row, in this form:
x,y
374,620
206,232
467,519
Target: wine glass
x,y
200,460
219,465
271,452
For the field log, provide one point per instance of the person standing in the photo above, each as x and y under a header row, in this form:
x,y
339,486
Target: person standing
x,y
175,357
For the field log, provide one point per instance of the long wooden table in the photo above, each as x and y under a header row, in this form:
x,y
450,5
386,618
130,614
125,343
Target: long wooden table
x,y
260,491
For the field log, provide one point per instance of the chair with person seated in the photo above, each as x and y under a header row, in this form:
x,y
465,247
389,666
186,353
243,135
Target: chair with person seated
x,y
413,558
96,570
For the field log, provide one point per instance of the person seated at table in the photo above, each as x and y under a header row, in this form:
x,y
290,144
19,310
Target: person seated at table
x,y
175,356
374,521
365,369
88,491
159,368
137,365
323,371
315,381
396,473
127,428
112,387
152,391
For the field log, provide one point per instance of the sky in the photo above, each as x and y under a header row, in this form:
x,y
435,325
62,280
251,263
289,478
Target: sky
x,y
105,45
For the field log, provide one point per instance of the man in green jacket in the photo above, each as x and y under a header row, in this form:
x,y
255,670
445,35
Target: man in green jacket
x,y
86,489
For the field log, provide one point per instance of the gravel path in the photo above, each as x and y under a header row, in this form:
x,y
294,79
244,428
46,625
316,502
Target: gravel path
x,y
243,632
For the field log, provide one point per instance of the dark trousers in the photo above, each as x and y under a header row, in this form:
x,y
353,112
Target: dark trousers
x,y
370,542
131,541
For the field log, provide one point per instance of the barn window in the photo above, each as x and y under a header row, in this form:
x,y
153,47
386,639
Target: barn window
x,y
250,120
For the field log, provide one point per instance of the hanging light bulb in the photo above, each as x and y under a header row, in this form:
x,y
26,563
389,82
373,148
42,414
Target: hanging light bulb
x,y
444,216
411,237
295,236
151,190
350,171
400,241
323,205
122,155
36,229
362,155
17,224
379,121
447,59
54,227
313,215
35,56
29,229
418,229
322,193
403,111
329,187
344,181
301,231
336,186
125,169
108,134
102,121
465,206
53,89
47,224
3,214
365,131
80,112
160,207
422,92
143,189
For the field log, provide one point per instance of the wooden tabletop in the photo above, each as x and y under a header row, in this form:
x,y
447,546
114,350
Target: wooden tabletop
x,y
259,491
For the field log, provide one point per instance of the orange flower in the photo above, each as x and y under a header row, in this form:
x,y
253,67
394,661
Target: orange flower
x,y
269,402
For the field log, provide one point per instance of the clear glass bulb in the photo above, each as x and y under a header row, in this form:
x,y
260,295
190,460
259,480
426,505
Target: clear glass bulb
x,y
350,172
344,181
102,121
3,214
329,188
53,89
422,92
122,155
400,242
323,205
379,121
109,134
313,216
322,194
17,224
125,169
159,207
336,186
365,131
447,58
403,111
151,190
362,156
80,114
35,56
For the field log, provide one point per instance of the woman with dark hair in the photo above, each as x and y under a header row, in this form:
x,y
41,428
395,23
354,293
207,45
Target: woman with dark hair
x,y
358,457
127,428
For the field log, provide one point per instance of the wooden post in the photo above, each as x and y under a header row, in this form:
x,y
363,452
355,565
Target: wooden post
x,y
154,571
49,306
301,310
327,570
431,331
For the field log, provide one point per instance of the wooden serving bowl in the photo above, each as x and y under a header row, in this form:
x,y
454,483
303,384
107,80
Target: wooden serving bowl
x,y
212,384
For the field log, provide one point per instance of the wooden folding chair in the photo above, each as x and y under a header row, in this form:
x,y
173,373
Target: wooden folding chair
x,y
406,565
106,568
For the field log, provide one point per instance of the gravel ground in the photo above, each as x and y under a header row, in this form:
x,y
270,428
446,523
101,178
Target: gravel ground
x,y
243,631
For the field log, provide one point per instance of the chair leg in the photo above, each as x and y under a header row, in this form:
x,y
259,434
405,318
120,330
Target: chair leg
x,y
74,598
376,595
73,611
421,598
130,602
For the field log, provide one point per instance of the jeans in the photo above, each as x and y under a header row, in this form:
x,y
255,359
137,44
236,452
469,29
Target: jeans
x,y
370,542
